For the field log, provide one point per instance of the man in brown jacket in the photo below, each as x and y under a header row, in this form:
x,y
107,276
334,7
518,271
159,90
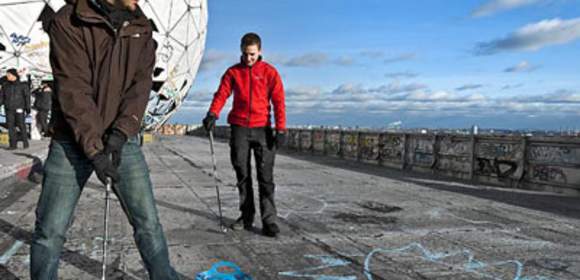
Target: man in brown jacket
x,y
102,56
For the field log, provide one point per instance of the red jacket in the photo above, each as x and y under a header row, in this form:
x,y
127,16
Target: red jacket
x,y
253,88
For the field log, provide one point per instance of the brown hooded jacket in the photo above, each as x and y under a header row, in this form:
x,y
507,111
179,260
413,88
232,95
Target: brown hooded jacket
x,y
102,75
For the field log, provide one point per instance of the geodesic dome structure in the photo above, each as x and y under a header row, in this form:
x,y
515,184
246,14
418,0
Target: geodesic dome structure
x,y
180,31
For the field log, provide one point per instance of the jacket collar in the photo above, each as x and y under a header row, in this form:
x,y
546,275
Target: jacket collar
x,y
259,62
90,11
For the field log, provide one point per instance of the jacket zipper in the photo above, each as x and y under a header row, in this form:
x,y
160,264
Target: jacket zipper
x,y
250,107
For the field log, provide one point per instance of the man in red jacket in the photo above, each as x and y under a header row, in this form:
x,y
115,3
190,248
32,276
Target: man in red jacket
x,y
255,85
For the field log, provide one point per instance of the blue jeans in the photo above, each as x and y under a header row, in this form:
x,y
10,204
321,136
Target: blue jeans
x,y
65,173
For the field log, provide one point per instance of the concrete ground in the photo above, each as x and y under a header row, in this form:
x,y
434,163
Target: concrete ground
x,y
340,221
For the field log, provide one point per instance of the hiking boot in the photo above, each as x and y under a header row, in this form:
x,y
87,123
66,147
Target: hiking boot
x,y
240,224
270,230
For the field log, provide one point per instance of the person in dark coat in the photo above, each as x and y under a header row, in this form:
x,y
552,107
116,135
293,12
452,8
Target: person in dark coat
x,y
102,55
42,104
15,97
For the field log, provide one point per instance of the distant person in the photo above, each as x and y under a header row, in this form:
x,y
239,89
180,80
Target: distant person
x,y
15,95
42,104
255,85
102,80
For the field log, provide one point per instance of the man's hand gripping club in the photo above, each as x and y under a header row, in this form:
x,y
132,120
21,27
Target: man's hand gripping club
x,y
104,167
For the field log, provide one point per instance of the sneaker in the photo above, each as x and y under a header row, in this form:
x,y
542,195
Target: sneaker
x,y
240,224
270,230
11,148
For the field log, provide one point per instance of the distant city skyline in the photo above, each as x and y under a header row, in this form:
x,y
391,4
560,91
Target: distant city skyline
x,y
500,63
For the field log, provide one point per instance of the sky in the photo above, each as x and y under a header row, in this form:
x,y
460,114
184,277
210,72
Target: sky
x,y
510,64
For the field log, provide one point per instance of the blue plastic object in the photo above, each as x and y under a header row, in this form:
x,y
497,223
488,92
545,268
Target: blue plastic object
x,y
233,272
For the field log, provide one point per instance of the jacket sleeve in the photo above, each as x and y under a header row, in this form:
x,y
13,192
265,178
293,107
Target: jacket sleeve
x,y
222,94
134,101
278,100
72,77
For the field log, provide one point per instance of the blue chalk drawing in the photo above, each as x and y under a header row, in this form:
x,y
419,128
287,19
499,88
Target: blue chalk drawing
x,y
233,272
471,265
327,262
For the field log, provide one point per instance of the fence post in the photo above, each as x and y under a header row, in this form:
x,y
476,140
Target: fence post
x,y
380,145
405,151
300,140
324,139
312,132
358,146
340,144
472,157
524,163
436,147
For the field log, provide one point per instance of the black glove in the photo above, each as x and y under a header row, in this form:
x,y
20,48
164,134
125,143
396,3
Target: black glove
x,y
114,145
280,139
209,121
104,168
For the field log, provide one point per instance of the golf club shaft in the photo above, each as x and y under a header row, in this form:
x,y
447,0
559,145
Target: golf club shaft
x,y
106,237
215,177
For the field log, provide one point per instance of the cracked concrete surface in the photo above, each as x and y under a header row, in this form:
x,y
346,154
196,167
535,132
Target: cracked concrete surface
x,y
340,220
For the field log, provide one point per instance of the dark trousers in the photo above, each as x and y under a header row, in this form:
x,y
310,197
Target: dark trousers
x,y
42,121
16,120
261,140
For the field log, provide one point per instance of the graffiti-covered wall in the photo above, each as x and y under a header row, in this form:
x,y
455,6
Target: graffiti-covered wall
x,y
519,162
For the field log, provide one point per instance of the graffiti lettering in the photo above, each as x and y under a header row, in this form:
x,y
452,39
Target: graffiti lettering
x,y
19,40
306,140
555,154
318,141
450,146
392,148
549,174
369,149
497,150
332,143
166,53
500,168
349,145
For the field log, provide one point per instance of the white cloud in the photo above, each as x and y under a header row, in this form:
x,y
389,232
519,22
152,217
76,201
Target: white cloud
x,y
355,98
534,36
495,6
523,66
213,59
396,87
344,61
314,59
